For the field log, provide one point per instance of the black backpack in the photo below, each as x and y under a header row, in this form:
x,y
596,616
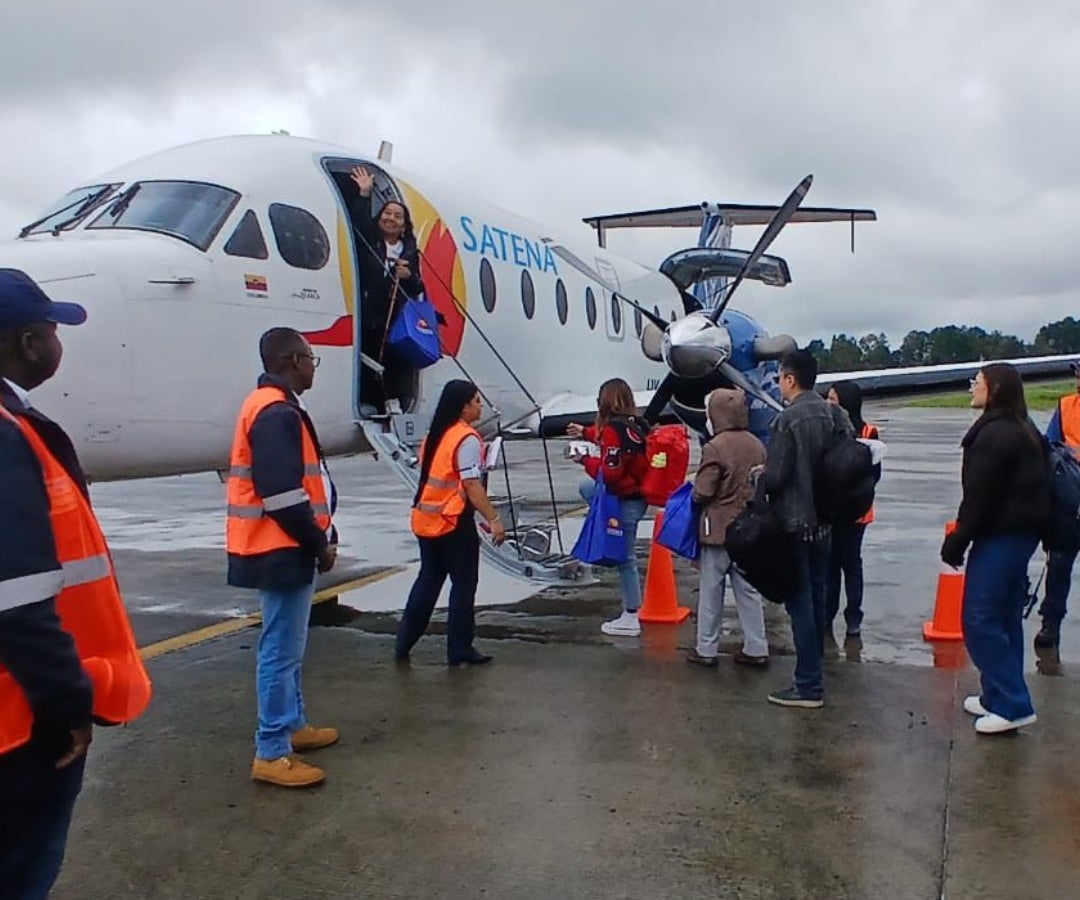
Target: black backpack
x,y
761,549
1063,530
844,481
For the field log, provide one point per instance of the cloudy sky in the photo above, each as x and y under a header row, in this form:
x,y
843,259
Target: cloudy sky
x,y
958,122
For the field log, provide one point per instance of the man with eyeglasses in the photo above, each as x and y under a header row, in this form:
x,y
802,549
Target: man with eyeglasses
x,y
1064,428
279,531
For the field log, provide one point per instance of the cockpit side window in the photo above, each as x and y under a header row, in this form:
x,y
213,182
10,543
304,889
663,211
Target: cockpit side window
x,y
192,211
247,240
301,240
70,209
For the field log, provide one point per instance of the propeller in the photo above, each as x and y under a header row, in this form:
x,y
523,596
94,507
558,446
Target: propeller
x,y
668,386
696,348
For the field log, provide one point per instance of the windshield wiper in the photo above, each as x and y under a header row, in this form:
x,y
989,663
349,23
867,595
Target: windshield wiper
x,y
84,204
119,206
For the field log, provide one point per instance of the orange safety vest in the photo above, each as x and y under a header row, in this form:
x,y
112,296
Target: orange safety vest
x,y
88,603
1069,419
443,499
249,531
869,432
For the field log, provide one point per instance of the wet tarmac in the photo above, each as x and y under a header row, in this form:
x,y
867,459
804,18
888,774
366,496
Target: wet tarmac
x,y
576,765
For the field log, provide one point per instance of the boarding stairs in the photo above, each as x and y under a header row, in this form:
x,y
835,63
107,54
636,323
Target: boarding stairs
x,y
531,550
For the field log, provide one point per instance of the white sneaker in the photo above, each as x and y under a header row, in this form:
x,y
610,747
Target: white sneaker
x,y
994,724
973,706
626,625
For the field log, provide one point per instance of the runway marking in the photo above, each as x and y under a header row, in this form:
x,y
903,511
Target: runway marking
x,y
230,626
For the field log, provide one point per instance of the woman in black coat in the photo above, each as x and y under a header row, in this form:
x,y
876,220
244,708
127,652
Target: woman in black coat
x,y
389,276
1005,507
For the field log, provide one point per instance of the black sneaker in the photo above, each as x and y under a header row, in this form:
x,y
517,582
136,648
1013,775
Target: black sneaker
x,y
1047,638
710,662
792,696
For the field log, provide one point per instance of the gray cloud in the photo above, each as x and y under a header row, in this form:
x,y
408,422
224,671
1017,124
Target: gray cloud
x,y
955,121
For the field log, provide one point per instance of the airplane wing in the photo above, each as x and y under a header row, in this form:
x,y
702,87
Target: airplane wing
x,y
562,409
915,379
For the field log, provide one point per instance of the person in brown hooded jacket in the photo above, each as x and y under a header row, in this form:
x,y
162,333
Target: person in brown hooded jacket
x,y
722,488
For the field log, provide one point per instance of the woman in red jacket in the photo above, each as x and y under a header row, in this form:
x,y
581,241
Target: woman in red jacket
x,y
621,438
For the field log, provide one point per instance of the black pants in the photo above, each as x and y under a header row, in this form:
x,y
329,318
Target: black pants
x,y
456,554
846,561
36,802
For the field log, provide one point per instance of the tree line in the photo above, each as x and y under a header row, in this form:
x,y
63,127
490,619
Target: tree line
x,y
947,344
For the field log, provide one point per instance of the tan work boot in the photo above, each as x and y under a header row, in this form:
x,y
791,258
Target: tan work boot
x,y
311,738
287,771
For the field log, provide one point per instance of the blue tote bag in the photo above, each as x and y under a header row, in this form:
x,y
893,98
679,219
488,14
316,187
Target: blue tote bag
x,y
414,336
679,530
602,541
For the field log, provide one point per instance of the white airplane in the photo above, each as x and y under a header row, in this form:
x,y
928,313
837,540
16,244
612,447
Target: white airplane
x,y
185,257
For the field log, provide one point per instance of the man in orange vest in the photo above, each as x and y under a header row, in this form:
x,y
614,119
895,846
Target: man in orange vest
x,y
41,777
1064,428
278,532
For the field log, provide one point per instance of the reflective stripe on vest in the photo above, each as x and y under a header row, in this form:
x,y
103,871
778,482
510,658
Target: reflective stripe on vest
x,y
1069,419
249,528
88,604
442,500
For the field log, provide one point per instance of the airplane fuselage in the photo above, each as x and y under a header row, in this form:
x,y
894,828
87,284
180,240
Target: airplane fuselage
x,y
178,295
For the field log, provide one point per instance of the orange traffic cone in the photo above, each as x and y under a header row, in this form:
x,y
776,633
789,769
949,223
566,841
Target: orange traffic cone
x,y
948,603
661,601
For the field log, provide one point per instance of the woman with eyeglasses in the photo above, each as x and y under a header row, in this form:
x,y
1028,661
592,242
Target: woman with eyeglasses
x,y
1005,506
449,495
621,437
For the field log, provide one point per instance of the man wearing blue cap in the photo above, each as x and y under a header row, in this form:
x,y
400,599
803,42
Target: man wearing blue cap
x,y
40,779
1064,428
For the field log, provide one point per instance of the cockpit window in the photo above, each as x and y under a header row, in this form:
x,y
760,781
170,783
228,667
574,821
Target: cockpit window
x,y
301,239
189,210
247,239
70,209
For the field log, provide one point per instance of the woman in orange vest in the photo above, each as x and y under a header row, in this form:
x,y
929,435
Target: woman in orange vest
x,y
847,538
443,519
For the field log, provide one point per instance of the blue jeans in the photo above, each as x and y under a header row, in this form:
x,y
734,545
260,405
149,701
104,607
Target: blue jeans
x,y
36,803
995,588
631,512
806,608
277,670
845,559
1059,568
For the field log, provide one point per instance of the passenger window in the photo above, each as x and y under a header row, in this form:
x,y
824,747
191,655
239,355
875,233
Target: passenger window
x,y
561,305
590,307
247,239
637,321
616,314
528,294
487,285
301,240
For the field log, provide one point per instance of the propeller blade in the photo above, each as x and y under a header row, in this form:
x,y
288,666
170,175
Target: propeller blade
x,y
660,399
779,220
651,336
741,381
589,272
